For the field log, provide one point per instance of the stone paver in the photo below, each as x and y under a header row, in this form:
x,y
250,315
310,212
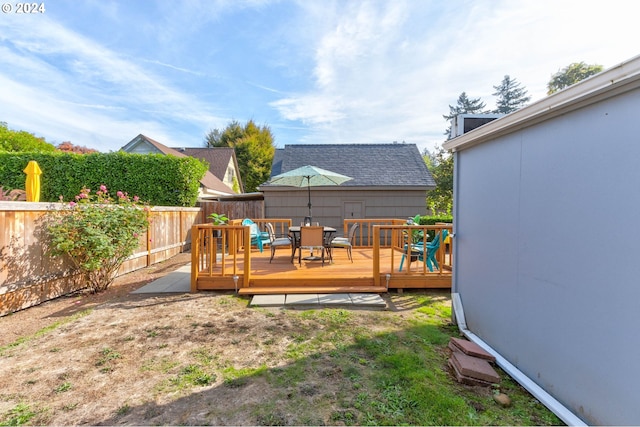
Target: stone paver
x,y
368,300
180,281
268,300
334,299
301,299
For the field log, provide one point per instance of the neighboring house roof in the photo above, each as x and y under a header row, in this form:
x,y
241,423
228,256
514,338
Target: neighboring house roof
x,y
218,159
370,165
142,144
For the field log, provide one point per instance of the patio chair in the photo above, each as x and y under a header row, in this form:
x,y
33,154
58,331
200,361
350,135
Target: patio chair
x,y
432,247
344,242
258,238
277,242
311,237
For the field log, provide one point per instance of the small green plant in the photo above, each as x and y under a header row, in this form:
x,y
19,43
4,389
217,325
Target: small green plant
x,y
416,235
218,219
106,356
193,375
98,233
65,386
123,410
19,415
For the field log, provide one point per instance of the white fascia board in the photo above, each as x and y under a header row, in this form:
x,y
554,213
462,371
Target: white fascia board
x,y
614,81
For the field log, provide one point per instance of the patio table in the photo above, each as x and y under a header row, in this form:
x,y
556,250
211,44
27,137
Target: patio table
x,y
294,231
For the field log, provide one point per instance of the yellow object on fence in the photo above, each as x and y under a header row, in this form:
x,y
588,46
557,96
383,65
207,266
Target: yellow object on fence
x,y
32,185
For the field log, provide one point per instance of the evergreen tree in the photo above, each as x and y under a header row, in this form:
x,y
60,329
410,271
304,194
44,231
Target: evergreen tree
x,y
254,150
510,95
464,105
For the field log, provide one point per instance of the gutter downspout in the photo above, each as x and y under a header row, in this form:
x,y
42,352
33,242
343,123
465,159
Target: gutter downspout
x,y
545,398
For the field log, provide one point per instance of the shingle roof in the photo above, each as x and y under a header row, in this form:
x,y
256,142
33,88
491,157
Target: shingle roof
x,y
217,157
368,164
209,180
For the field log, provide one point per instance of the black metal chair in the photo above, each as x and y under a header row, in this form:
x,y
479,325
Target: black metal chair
x,y
276,242
344,242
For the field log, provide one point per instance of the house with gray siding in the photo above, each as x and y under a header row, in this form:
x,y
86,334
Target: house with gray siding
x,y
388,181
547,238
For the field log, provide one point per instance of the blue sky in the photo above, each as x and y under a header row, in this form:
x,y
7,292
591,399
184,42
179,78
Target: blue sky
x,y
99,72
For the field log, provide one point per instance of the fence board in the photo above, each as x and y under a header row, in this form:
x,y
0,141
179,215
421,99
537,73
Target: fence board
x,y
233,209
28,276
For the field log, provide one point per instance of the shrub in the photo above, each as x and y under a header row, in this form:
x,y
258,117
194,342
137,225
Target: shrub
x,y
12,195
98,233
160,180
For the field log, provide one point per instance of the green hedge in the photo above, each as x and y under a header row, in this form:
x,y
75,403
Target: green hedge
x,y
157,179
430,220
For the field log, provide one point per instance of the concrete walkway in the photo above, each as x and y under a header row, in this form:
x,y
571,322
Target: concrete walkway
x,y
179,281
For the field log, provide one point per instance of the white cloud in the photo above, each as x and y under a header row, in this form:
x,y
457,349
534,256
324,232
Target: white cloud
x,y
329,71
388,70
92,93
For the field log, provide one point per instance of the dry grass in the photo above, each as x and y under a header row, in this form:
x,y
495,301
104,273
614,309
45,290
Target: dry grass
x,y
207,358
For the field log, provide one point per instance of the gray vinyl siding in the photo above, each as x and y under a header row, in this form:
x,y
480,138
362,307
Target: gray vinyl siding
x,y
547,222
328,204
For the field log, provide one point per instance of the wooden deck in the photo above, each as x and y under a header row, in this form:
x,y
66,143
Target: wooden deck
x,y
339,276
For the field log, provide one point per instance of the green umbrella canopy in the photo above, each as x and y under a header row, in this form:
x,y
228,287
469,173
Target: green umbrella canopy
x,y
309,176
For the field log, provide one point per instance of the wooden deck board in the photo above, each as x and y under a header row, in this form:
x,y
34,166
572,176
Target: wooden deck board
x,y
341,275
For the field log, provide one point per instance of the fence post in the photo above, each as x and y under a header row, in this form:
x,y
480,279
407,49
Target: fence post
x,y
376,255
195,257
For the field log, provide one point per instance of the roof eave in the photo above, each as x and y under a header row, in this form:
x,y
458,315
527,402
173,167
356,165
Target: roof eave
x,y
614,81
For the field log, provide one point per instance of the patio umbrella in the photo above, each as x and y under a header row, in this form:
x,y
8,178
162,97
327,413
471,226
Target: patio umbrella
x,y
309,176
32,185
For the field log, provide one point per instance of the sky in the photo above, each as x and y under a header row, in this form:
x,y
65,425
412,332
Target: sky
x,y
100,72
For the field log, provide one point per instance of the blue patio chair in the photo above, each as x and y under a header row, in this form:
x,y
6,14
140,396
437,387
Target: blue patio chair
x,y
432,248
258,238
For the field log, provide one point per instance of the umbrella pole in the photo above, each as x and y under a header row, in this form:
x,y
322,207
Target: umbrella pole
x,y
309,190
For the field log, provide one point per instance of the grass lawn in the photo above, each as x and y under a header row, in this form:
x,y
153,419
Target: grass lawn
x,y
206,358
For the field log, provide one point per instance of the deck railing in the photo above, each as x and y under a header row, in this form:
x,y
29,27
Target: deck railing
x,y
214,254
364,237
401,242
222,253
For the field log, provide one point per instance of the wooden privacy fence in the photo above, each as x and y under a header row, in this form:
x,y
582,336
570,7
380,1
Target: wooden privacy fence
x,y
29,276
234,209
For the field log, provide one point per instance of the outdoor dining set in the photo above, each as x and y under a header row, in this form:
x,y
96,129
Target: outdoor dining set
x,y
308,236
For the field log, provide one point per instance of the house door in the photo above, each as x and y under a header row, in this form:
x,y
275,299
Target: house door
x,y
353,210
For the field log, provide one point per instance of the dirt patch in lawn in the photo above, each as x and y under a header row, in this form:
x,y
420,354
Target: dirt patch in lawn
x,y
208,359
27,322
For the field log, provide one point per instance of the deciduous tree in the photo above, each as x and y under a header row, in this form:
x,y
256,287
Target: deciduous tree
x,y
254,150
572,73
440,164
68,147
20,140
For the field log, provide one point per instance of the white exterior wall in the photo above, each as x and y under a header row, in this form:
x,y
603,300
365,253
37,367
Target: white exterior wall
x,y
547,223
